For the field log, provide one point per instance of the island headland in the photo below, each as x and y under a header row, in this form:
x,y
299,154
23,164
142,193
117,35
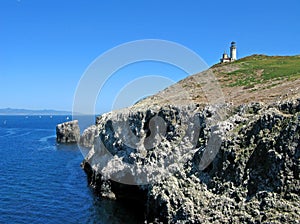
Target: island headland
x,y
183,159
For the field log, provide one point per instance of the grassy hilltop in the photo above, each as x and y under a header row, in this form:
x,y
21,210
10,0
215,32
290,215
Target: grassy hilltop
x,y
258,69
256,78
260,78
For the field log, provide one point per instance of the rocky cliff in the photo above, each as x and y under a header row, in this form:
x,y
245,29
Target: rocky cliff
x,y
68,132
198,163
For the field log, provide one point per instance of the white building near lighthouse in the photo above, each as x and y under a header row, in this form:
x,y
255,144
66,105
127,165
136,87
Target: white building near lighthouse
x,y
225,58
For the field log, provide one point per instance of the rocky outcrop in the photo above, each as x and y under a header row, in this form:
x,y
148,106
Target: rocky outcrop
x,y
68,132
201,164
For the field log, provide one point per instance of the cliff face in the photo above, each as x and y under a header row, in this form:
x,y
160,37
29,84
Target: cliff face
x,y
254,176
181,159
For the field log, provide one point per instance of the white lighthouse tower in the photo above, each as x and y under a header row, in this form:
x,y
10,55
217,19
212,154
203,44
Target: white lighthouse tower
x,y
233,51
232,57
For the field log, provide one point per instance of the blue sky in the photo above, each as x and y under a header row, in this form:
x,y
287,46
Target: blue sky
x,y
45,46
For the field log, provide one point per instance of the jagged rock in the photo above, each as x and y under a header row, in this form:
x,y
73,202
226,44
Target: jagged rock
x,y
254,177
88,137
68,132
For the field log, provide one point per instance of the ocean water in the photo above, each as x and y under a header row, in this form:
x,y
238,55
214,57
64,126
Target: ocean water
x,y
42,182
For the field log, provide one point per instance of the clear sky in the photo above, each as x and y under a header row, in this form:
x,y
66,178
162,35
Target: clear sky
x,y
45,46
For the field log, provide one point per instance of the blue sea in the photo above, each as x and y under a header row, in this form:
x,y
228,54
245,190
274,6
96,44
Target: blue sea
x,y
42,182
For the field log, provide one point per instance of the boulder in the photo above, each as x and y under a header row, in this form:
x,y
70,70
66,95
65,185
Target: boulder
x,y
68,132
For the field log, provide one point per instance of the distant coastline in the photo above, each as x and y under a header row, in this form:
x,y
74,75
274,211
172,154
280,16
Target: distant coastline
x,y
13,111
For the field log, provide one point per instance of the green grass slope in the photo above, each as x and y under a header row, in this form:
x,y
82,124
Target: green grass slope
x,y
256,78
257,69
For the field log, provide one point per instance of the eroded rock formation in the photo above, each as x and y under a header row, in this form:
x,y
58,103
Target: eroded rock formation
x,y
164,159
68,132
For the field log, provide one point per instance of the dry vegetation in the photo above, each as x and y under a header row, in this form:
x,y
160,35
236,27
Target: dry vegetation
x,y
257,78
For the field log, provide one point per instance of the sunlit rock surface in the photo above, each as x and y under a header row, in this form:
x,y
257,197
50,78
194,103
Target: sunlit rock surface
x,y
68,132
162,158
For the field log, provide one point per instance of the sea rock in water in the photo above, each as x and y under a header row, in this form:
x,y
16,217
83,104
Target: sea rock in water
x,y
68,132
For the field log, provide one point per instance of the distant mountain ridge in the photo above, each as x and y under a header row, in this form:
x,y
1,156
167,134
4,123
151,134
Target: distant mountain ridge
x,y
13,111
